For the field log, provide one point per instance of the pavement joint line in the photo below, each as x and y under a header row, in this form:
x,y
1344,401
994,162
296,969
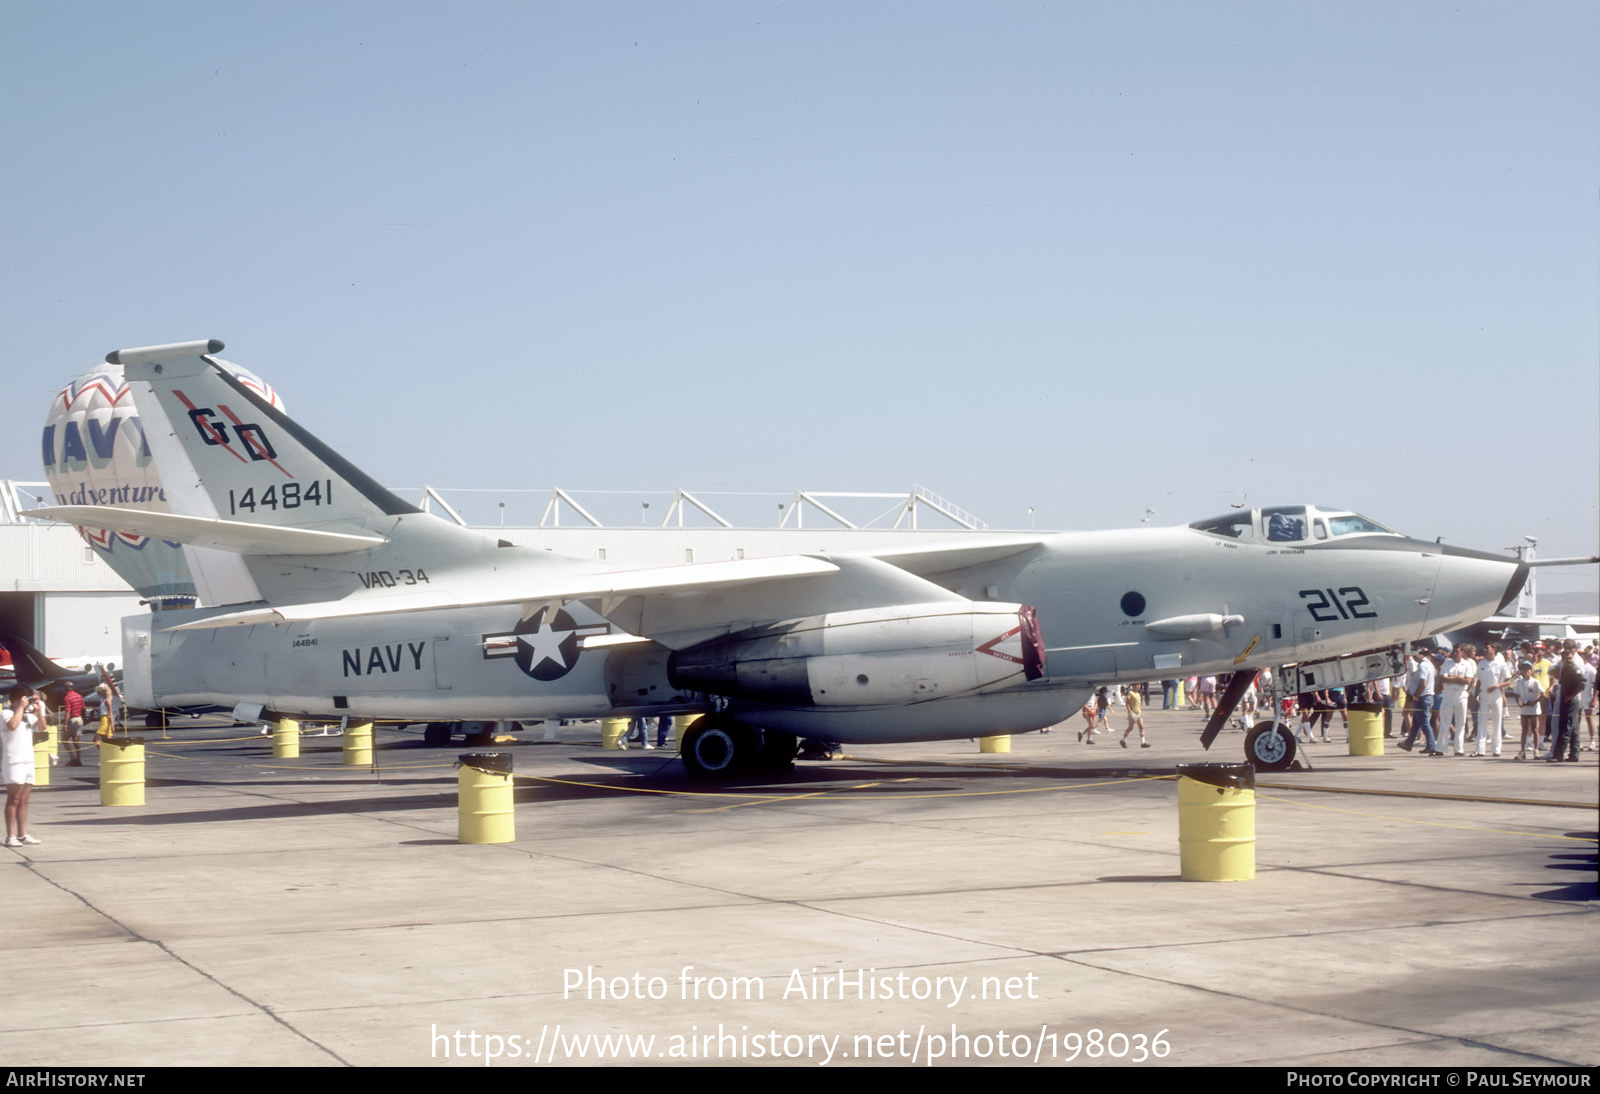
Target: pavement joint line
x,y
1555,907
1424,823
1427,794
527,851
1073,957
1324,933
167,950
1131,947
1563,907
1424,1035
518,847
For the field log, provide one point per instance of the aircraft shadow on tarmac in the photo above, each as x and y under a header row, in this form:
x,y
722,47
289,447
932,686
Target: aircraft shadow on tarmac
x,y
835,770
617,777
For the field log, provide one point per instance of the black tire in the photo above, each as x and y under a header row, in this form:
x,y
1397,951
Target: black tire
x,y
437,735
717,748
1270,747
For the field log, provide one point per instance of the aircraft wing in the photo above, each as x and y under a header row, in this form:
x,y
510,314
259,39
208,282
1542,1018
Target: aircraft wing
x,y
953,554
677,606
677,621
237,536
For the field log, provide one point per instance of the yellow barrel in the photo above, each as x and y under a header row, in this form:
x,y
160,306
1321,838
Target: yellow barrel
x,y
52,740
1217,822
286,739
358,744
1179,702
614,734
42,742
122,771
680,725
1366,731
483,799
995,744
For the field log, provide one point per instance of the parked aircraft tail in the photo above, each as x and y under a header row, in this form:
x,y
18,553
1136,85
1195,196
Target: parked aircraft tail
x,y
244,478
35,670
252,461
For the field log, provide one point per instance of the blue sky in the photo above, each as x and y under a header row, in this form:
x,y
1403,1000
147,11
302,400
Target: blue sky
x,y
1090,258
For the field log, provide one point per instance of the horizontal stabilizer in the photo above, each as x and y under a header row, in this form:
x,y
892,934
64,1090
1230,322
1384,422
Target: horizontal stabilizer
x,y
224,535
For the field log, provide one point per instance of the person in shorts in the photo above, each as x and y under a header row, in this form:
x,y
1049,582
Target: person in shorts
x,y
24,712
71,725
1135,717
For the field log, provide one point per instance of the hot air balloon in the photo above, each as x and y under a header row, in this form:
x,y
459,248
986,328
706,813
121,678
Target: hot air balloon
x,y
95,453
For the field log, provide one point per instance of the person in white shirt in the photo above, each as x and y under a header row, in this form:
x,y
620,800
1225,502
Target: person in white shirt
x,y
1527,690
1494,676
1420,684
1460,672
24,712
1385,695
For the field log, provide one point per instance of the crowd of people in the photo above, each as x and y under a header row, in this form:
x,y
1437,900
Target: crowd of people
x,y
25,714
1466,702
1550,686
1197,693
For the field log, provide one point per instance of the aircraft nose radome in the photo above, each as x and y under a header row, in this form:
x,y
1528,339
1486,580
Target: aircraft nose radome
x,y
1473,585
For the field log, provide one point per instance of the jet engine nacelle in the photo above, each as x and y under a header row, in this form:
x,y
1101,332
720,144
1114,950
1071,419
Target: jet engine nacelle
x,y
636,683
869,657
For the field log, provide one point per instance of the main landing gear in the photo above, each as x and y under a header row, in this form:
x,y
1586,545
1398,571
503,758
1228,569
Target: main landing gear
x,y
718,747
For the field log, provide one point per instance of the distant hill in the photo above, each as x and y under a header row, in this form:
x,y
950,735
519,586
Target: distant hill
x,y
1578,603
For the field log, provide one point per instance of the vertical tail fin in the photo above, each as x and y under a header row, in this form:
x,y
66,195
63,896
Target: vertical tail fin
x,y
229,453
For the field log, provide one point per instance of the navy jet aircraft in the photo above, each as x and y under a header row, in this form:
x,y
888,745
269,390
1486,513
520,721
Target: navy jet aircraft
x,y
37,672
349,601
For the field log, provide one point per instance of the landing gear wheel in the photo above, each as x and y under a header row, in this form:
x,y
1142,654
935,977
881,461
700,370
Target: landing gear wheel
x,y
437,735
716,748
1270,747
777,750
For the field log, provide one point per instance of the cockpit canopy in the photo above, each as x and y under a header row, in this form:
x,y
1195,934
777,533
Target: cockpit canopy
x,y
1291,524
